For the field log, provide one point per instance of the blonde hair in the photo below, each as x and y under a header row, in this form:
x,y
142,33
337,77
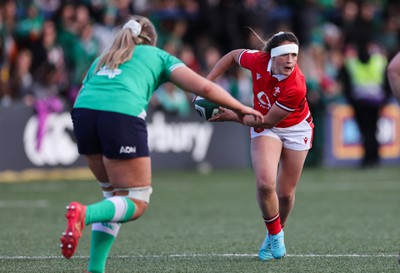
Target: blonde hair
x,y
122,48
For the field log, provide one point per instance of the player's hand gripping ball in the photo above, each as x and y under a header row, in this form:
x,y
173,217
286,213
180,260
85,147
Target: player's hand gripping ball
x,y
205,108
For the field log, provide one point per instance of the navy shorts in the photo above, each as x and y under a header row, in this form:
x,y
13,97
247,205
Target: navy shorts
x,y
114,135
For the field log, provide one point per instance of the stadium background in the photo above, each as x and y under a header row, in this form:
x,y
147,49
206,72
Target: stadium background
x,y
46,47
345,219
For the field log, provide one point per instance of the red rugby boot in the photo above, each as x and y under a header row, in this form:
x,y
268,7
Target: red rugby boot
x,y
75,215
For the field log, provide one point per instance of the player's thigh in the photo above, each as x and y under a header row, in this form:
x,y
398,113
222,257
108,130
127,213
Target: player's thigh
x,y
265,155
96,165
131,177
129,173
290,169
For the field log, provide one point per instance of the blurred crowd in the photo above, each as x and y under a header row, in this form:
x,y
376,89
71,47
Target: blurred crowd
x,y
46,46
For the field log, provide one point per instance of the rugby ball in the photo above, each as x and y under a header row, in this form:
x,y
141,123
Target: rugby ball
x,y
205,108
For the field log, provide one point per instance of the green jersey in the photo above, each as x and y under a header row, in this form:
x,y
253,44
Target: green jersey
x,y
128,88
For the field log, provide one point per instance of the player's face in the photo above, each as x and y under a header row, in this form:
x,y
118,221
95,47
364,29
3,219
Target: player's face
x,y
284,64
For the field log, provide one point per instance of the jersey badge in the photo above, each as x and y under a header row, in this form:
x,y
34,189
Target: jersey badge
x,y
104,71
277,90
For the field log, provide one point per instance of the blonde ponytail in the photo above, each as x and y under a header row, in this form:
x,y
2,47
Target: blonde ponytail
x,y
122,48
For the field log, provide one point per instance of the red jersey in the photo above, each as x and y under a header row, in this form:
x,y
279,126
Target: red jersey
x,y
288,93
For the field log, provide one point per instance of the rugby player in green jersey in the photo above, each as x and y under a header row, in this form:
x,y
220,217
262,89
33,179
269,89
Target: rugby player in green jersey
x,y
110,129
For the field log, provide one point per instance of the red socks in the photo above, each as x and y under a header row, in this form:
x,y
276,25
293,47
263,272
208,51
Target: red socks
x,y
273,225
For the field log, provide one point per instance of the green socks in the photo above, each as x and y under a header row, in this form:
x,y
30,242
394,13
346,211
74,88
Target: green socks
x,y
103,237
105,217
116,209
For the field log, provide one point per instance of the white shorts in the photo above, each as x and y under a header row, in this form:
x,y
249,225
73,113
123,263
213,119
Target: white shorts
x,y
298,137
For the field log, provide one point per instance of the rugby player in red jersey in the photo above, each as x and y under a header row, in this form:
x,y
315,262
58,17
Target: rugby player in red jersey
x,y
281,140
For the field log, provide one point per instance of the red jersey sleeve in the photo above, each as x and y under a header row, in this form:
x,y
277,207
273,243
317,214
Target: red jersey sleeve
x,y
248,58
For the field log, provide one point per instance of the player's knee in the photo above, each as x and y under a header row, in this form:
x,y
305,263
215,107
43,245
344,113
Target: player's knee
x,y
139,195
141,207
286,197
265,189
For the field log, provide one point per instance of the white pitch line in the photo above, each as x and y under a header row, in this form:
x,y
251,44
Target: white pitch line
x,y
206,255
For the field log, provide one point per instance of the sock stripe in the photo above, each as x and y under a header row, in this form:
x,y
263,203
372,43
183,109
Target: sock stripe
x,y
273,225
271,219
121,207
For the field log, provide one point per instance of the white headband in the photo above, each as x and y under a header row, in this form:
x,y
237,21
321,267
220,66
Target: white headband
x,y
134,26
284,49
279,33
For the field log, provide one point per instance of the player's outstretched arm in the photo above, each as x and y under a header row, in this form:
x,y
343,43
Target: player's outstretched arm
x,y
274,116
393,73
225,63
192,82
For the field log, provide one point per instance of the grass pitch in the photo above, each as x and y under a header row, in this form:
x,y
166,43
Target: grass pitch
x,y
344,220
